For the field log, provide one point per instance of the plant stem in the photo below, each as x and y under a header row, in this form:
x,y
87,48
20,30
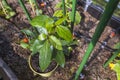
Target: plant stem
x,y
25,10
111,58
36,5
64,10
73,13
32,5
111,6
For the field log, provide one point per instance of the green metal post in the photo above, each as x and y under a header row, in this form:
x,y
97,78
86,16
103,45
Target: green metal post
x,y
111,6
73,13
112,58
64,9
27,14
25,10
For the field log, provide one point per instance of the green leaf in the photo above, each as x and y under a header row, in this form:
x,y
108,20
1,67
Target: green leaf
x,y
24,45
60,21
64,42
42,30
77,17
12,13
56,42
117,61
60,58
35,46
116,67
70,15
28,32
38,12
117,46
39,21
45,56
68,1
58,13
42,36
31,1
49,24
64,32
69,43
75,42
118,75
59,5
117,70
68,5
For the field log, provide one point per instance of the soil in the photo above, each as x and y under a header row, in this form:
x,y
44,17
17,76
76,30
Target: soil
x,y
16,57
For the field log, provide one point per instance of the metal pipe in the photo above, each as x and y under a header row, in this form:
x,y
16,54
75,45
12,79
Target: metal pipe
x,y
111,6
63,7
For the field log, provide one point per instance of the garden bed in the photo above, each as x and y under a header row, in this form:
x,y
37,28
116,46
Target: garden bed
x,y
16,57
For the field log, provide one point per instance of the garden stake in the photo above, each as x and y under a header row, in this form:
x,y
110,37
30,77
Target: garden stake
x,y
101,47
112,58
111,6
27,13
25,10
64,9
73,14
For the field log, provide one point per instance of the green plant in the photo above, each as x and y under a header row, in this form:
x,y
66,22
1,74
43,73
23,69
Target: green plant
x,y
35,7
116,67
115,63
6,9
51,41
68,11
51,38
